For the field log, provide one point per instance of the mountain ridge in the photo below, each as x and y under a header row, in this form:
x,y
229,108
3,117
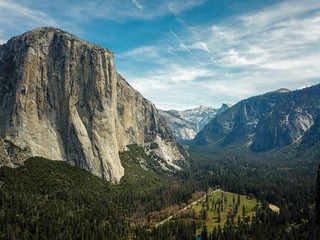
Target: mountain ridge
x,y
260,121
187,123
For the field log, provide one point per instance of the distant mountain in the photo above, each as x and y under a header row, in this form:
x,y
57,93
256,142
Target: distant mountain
x,y
182,128
186,124
265,122
203,115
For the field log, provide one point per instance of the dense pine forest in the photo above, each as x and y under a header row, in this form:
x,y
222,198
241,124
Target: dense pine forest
x,y
47,199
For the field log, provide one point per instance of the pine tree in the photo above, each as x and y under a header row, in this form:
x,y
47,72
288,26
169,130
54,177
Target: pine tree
x,y
243,210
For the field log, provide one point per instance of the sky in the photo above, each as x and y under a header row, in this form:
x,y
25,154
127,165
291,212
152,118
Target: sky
x,y
181,54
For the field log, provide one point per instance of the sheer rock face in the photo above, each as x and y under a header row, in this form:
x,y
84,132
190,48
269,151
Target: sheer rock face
x,y
62,98
265,122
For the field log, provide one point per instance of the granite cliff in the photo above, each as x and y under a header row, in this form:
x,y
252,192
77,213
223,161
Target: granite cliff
x,y
62,98
265,122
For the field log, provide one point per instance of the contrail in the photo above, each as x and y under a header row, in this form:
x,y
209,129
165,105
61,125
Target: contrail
x,y
186,48
214,61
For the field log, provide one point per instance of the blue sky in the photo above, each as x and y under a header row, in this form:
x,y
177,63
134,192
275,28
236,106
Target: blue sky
x,y
184,53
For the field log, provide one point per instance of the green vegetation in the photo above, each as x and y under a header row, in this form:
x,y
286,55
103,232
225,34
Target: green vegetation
x,y
47,199
285,177
144,170
154,145
221,207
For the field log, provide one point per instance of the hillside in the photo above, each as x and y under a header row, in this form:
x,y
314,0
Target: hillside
x,y
265,122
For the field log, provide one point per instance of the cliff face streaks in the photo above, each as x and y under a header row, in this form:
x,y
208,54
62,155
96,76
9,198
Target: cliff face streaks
x,y
62,98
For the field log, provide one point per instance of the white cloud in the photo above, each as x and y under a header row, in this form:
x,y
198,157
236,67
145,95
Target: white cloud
x,y
120,10
172,74
176,6
17,15
283,11
2,41
270,39
141,52
243,56
138,5
205,47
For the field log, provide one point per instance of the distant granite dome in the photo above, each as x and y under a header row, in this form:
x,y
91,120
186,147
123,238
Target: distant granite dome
x,y
62,98
283,90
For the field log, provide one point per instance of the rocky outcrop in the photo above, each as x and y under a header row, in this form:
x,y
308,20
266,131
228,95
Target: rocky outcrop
x,y
62,98
186,124
12,155
265,122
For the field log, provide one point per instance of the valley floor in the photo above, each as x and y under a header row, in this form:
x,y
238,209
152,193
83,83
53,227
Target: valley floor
x,y
214,210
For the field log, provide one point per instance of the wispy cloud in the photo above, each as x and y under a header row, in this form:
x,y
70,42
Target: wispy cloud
x,y
176,6
120,10
206,64
205,47
12,14
2,41
138,5
17,18
142,52
245,55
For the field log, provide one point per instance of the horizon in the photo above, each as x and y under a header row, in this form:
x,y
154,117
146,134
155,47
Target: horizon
x,y
181,55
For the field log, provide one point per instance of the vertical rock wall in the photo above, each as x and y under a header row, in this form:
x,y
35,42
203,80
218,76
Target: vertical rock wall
x,y
62,98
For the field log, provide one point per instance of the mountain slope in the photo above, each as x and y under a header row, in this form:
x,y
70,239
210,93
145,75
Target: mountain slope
x,y
62,98
265,122
182,128
315,230
203,115
186,124
289,120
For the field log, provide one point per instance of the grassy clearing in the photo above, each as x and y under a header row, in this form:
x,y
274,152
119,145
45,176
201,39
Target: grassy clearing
x,y
237,207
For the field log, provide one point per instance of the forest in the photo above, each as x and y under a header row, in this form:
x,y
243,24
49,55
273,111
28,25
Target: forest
x,y
47,199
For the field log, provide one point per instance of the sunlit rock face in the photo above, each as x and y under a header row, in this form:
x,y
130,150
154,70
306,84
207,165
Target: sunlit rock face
x,y
186,124
265,122
62,98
